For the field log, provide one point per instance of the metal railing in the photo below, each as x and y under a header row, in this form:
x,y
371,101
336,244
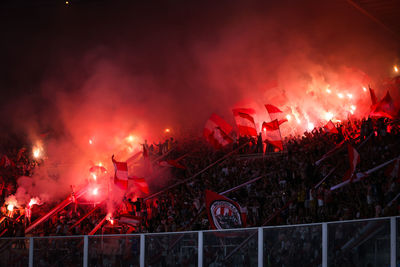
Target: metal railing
x,y
370,242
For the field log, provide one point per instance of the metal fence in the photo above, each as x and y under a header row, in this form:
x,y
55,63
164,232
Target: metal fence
x,y
372,242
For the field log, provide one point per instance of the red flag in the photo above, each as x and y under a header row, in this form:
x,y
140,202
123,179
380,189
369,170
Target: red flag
x,y
374,100
121,174
216,131
354,160
393,170
330,128
272,134
244,122
275,113
223,213
98,169
140,183
385,108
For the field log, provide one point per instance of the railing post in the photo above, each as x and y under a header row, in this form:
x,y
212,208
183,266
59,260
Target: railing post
x,y
85,250
324,245
200,250
142,250
260,247
30,251
393,242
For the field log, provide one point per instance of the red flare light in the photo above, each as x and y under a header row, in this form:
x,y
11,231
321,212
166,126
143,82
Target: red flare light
x,y
10,207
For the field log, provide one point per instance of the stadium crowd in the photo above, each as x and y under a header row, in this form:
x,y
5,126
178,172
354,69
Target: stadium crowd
x,y
288,191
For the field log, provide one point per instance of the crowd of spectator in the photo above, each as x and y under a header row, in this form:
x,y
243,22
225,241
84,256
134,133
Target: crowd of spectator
x,y
288,192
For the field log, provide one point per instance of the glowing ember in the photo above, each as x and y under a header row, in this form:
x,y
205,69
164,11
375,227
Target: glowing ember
x,y
10,207
395,69
364,88
288,117
340,95
310,126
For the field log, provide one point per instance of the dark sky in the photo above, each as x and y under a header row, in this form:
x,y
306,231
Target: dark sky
x,y
171,60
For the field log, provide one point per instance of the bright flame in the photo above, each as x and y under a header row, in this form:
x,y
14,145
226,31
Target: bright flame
x,y
328,91
130,138
353,107
328,116
350,96
94,176
364,88
100,164
310,126
340,95
37,151
95,191
298,120
395,69
33,201
10,207
288,117
264,129
90,141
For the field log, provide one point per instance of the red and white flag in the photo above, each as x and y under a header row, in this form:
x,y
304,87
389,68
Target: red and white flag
x,y
140,183
330,128
275,114
393,170
223,213
244,122
354,160
121,174
216,131
272,134
130,219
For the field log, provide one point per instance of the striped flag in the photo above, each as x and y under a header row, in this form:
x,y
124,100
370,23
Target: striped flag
x,y
121,174
216,131
244,122
272,134
330,128
275,113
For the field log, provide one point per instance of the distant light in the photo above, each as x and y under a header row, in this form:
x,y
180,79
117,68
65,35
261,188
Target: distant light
x,y
298,120
352,111
310,126
67,2
288,117
264,129
100,164
167,130
90,141
328,91
350,96
353,107
130,138
364,88
395,69
94,176
340,95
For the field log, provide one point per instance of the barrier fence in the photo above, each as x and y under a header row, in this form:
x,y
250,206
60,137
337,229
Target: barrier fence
x,y
371,242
